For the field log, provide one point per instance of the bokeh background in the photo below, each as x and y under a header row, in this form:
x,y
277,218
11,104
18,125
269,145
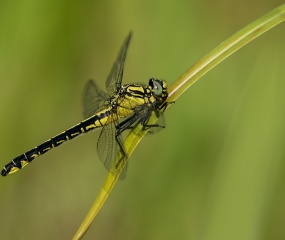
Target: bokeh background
x,y
215,172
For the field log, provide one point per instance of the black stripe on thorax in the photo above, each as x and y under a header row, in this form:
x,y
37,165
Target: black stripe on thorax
x,y
136,91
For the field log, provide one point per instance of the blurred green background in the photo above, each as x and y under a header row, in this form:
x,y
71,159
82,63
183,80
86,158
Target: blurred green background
x,y
215,172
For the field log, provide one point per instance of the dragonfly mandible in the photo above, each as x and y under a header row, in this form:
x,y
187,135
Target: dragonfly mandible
x,y
120,108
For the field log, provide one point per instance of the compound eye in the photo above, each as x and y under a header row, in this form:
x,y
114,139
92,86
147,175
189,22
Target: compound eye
x,y
157,88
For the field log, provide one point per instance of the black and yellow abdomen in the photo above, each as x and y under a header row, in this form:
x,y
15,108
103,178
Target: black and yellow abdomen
x,y
96,121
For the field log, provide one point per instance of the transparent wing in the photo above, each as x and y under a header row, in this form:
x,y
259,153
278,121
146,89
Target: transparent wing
x,y
160,123
114,79
107,148
93,99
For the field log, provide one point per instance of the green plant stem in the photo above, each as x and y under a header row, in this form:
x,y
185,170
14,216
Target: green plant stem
x,y
217,55
225,49
132,140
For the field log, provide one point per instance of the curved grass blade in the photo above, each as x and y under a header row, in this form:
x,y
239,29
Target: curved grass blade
x,y
132,140
225,49
217,55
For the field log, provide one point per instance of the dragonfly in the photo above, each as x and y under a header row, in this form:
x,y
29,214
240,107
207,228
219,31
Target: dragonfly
x,y
119,109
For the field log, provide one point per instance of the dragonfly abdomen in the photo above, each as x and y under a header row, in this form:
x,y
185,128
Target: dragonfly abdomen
x,y
85,126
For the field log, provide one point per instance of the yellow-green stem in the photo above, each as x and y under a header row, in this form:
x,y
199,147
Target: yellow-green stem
x,y
194,73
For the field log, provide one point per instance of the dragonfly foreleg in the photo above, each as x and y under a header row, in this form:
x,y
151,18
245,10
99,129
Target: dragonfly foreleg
x,y
145,119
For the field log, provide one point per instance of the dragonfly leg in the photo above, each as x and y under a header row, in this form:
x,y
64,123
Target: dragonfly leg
x,y
127,123
145,119
122,150
121,127
148,126
164,105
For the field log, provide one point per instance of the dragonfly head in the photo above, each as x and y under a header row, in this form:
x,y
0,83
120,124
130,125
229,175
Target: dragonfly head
x,y
159,90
